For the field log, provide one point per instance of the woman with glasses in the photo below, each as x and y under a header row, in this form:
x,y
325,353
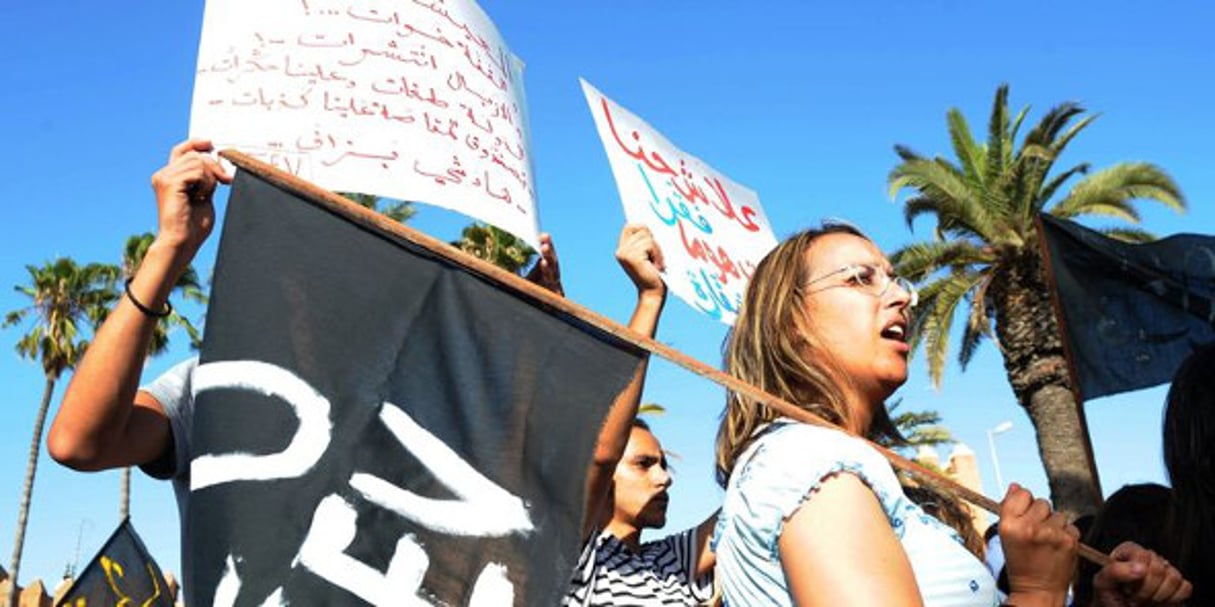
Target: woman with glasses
x,y
815,516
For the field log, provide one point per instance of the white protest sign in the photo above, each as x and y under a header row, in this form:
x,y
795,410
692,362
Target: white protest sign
x,y
712,231
409,99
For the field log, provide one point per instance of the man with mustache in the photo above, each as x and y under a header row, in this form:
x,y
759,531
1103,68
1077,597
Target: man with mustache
x,y
628,489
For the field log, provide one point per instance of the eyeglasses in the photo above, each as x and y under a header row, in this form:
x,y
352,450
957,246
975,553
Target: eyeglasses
x,y
868,278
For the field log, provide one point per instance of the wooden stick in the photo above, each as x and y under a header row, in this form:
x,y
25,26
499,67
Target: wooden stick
x,y
511,282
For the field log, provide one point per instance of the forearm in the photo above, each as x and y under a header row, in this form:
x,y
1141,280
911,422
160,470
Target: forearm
x,y
615,432
647,312
94,419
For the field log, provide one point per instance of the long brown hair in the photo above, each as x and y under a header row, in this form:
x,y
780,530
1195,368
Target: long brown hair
x,y
773,347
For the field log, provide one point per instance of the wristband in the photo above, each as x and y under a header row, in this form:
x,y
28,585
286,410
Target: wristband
x,y
167,310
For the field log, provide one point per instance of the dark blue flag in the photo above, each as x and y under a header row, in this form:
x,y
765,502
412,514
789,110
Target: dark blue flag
x,y
1131,312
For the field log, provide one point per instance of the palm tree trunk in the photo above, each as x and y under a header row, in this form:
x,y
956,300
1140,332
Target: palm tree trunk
x,y
27,490
1062,447
124,494
1038,373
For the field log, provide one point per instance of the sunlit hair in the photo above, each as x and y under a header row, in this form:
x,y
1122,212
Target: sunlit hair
x,y
773,347
1189,455
947,507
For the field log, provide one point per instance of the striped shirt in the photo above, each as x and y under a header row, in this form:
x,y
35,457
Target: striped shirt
x,y
661,573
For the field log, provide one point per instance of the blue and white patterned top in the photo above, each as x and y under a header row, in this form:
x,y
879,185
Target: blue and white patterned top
x,y
780,471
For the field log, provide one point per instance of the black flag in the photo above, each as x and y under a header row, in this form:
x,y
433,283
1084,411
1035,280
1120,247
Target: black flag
x,y
375,424
1131,313
122,573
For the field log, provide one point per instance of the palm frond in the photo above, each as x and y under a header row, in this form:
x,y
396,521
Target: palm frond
x,y
905,153
917,261
1032,165
1056,119
1110,190
396,210
651,409
399,210
1129,235
1037,155
1118,209
943,192
998,139
1059,144
926,205
1048,190
933,319
917,427
969,154
978,324
15,317
1012,133
495,245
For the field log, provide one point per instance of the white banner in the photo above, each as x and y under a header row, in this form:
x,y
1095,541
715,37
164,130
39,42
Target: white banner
x,y
416,100
712,231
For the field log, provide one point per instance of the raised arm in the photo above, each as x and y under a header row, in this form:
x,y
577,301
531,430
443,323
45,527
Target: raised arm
x,y
642,261
103,422
547,273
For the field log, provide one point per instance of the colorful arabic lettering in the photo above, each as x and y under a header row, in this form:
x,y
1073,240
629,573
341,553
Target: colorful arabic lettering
x,y
712,231
678,212
690,191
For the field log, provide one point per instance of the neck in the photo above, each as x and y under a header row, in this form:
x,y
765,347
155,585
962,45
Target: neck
x,y
628,534
860,413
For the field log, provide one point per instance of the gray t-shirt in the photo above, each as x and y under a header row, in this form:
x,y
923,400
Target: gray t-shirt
x,y
172,390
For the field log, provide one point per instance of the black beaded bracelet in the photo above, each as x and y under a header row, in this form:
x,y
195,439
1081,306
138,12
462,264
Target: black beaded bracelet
x,y
168,309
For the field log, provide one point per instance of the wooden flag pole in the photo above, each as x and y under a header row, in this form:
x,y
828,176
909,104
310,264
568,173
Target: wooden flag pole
x,y
1048,269
366,217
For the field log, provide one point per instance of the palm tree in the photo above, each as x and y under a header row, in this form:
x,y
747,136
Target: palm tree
x,y
484,241
496,246
651,409
63,295
917,429
188,287
396,210
985,253
657,410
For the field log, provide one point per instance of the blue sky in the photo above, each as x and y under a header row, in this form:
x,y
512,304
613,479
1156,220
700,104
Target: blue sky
x,y
799,101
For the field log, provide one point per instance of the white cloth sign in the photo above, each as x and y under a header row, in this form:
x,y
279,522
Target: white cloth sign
x,y
712,231
415,100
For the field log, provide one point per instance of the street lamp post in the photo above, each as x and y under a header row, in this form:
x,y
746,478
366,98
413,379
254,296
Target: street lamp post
x,y
1000,428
